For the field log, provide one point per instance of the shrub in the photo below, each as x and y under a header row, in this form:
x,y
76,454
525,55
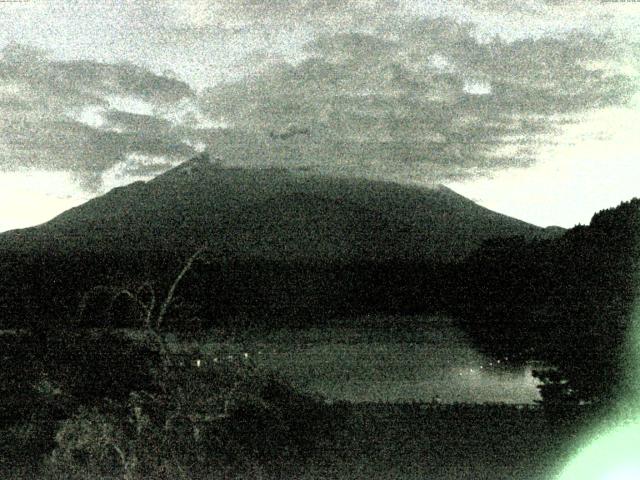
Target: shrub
x,y
92,444
228,418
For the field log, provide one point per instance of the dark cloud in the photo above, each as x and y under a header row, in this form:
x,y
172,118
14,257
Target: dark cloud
x,y
117,119
85,81
88,151
42,102
424,101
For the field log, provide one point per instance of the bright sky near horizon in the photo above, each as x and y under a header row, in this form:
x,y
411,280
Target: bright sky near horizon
x,y
529,108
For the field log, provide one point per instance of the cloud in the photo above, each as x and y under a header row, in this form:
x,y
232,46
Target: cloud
x,y
374,88
84,116
425,100
85,81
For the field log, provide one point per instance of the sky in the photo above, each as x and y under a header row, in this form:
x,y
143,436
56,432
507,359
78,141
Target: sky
x,y
529,108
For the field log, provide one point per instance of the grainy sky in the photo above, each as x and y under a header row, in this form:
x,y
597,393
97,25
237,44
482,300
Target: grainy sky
x,y
530,108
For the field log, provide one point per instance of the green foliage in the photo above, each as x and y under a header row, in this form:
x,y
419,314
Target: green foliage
x,y
142,415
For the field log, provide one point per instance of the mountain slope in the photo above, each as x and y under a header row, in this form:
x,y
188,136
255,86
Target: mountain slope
x,y
273,214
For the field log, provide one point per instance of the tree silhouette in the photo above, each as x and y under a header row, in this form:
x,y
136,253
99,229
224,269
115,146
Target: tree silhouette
x,y
565,303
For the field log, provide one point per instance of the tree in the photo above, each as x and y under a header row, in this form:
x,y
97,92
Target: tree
x,y
565,303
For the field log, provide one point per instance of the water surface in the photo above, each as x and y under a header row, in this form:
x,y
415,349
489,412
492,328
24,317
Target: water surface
x,y
422,359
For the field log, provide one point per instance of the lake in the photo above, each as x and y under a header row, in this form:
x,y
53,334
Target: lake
x,y
410,358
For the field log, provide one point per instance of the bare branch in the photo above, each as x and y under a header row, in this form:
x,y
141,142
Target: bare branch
x,y
174,285
151,305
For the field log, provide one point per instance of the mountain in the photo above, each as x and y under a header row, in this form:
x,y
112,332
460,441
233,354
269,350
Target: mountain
x,y
274,214
277,242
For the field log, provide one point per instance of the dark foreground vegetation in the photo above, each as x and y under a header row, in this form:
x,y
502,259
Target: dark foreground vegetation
x,y
102,406
271,432
108,404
